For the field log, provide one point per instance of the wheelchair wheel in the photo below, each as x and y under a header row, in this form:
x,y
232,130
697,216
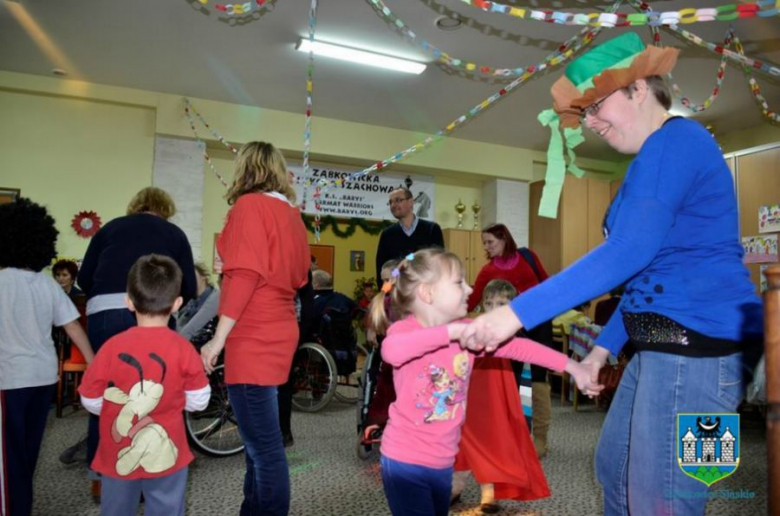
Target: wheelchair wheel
x,y
313,377
214,430
348,388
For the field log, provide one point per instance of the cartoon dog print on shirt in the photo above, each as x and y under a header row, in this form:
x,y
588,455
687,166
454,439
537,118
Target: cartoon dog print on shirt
x,y
150,447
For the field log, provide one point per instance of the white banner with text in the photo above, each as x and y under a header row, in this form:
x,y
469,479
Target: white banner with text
x,y
366,197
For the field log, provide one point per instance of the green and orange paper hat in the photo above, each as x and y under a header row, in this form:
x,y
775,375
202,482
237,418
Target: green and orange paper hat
x,y
597,73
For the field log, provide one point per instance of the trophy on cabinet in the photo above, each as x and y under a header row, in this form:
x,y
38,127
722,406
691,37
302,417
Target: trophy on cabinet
x,y
475,208
460,208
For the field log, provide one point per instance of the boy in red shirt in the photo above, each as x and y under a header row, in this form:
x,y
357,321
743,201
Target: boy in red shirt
x,y
139,383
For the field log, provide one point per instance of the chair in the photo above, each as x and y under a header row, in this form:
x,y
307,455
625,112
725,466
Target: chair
x,y
561,340
75,365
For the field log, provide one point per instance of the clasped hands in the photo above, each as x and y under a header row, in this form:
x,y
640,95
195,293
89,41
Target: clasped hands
x,y
487,332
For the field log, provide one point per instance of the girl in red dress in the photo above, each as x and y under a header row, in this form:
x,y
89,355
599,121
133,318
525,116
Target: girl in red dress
x,y
495,444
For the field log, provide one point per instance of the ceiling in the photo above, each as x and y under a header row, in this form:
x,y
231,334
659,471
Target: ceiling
x,y
182,47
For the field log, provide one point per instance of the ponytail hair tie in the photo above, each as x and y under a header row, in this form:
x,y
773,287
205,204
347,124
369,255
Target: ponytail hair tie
x,y
387,286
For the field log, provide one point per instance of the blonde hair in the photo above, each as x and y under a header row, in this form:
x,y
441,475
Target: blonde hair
x,y
499,287
260,167
153,200
426,266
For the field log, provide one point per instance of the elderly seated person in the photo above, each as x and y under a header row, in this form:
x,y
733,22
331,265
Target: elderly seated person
x,y
327,298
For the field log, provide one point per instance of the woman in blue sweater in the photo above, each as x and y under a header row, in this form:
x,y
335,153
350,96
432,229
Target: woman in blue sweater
x,y
672,236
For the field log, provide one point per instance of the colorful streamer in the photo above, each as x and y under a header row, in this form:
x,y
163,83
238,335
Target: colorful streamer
x,y
748,64
762,66
564,53
685,101
242,8
307,122
443,57
728,12
188,107
755,89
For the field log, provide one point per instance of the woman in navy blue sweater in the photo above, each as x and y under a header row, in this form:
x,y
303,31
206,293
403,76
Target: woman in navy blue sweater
x,y
111,252
672,237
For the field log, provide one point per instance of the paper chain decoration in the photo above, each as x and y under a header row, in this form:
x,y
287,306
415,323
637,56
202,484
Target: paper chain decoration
x,y
563,54
188,107
685,101
559,56
307,121
748,65
728,12
242,8
443,57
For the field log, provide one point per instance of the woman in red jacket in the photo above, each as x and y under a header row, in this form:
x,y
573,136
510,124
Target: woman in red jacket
x,y
265,258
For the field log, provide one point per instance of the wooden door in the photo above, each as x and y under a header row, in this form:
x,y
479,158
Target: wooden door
x,y
458,241
478,257
574,220
544,234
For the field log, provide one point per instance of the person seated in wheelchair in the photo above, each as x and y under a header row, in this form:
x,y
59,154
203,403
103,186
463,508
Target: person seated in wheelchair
x,y
333,315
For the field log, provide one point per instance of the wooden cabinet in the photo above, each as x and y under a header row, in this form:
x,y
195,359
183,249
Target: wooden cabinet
x,y
468,246
758,184
560,242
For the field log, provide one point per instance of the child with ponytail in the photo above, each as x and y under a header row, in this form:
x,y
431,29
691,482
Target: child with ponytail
x,y
431,377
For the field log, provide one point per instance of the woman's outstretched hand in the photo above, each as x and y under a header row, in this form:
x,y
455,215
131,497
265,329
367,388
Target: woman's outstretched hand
x,y
595,361
488,331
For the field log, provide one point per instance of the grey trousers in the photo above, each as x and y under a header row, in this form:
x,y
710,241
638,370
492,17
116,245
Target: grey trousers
x,y
164,496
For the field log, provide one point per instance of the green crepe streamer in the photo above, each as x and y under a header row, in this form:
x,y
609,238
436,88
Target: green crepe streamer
x,y
573,138
556,166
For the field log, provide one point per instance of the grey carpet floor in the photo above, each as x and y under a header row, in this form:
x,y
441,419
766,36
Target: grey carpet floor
x,y
327,478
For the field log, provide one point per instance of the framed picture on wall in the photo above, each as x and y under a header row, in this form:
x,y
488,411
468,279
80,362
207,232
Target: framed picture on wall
x,y
324,257
9,194
357,261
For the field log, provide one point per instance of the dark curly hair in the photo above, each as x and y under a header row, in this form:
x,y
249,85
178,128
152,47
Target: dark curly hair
x,y
28,235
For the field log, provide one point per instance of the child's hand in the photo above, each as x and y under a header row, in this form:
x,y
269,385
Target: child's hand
x,y
585,375
455,330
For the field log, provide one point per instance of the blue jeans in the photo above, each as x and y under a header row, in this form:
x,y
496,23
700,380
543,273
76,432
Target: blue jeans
x,y
636,458
413,490
267,480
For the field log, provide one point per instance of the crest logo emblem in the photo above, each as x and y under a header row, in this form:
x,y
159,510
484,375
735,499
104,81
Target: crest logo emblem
x,y
708,445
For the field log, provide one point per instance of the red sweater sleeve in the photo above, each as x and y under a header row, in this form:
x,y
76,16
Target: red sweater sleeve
x,y
238,286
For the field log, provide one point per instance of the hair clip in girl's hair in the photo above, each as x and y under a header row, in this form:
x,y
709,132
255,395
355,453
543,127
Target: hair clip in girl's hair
x,y
395,272
409,257
387,286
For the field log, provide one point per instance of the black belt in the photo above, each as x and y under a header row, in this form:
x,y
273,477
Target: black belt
x,y
650,331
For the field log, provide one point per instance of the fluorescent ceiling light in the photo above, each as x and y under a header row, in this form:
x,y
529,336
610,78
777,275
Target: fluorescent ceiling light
x,y
360,56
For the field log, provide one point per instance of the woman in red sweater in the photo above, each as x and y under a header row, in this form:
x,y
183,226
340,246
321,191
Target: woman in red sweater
x,y
265,258
505,263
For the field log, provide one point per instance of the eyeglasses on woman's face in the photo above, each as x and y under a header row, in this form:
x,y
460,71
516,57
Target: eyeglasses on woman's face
x,y
594,108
